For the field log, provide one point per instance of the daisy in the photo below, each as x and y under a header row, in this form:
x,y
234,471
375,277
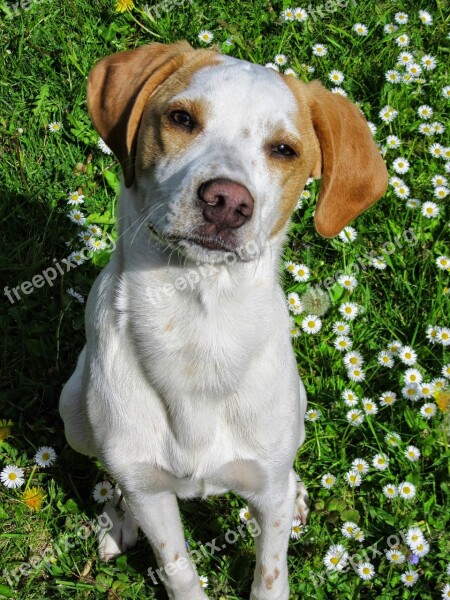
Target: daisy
x,y
393,141
12,476
437,127
393,76
414,69
319,50
311,324
392,438
353,359
395,346
428,410
328,480
411,391
77,216
77,258
336,558
446,591
348,282
244,514
75,198
401,18
409,578
421,548
290,267
355,417
446,370
294,303
412,453
97,244
402,40
430,209
426,390
85,237
402,191
425,17
380,462
305,195
360,465
353,478
407,355
360,29
388,398
390,491
407,490
203,581
366,571
370,408
387,114
300,14
349,529
78,297
343,343
405,58
312,415
336,77
413,203
341,92
432,333
436,150
385,359
297,529
349,310
301,273
426,129
103,147
348,234
446,154
280,59
396,557
400,165
350,399
378,263
291,73
359,535
425,111
444,336
441,192
273,66
206,36
287,15
396,182
45,456
438,180
390,28
54,126
94,230
294,328
341,327
446,91
413,376
103,491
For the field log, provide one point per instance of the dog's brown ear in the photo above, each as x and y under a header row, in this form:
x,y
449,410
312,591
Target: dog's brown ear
x,y
118,89
354,175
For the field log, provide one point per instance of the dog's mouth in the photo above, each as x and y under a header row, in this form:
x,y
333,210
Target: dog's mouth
x,y
216,243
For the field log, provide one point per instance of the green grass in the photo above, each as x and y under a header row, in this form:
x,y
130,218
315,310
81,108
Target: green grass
x,y
47,50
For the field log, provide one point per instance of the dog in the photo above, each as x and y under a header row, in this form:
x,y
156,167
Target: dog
x,y
188,385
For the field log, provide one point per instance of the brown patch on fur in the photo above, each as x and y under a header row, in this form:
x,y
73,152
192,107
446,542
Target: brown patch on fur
x,y
276,557
176,557
269,579
277,524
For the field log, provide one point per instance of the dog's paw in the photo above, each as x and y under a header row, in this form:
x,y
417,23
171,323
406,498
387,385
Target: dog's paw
x,y
301,506
123,532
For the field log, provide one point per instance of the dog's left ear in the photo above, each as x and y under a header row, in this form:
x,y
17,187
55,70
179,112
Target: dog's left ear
x,y
354,175
118,89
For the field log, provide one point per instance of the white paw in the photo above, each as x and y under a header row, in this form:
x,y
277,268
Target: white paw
x,y
123,534
301,507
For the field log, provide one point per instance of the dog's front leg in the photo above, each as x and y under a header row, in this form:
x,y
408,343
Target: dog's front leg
x,y
159,518
273,511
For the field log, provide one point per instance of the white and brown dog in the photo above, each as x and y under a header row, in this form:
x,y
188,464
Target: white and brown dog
x,y
188,384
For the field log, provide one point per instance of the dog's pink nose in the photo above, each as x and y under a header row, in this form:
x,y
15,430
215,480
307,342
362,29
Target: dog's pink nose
x,y
225,203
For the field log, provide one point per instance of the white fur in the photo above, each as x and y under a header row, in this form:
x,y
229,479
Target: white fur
x,y
195,391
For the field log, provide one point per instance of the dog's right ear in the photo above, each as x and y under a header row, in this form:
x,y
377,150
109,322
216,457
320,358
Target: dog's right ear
x,y
118,89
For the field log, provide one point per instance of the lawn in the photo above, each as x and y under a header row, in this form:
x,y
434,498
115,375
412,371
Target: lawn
x,y
369,308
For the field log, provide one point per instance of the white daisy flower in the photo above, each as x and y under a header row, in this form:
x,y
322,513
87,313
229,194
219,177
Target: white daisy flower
x,y
438,180
203,581
388,398
396,557
206,36
437,127
430,209
443,336
244,514
425,17
12,477
341,328
436,150
378,263
428,62
291,73
349,310
78,297
336,558
273,66
390,28
355,417
319,50
385,359
287,15
411,391
359,536
412,453
432,334
413,376
349,397
294,303
360,29
45,456
55,126
353,359
392,76
94,230
353,478
328,480
311,324
77,258
349,282
401,18
290,267
341,92
294,328
404,58
103,491
387,114
402,191
414,536
103,147
441,192
360,465
400,165
407,355
336,77
402,40
297,529
343,343
366,571
301,273
409,578
349,529
446,92
370,408
392,141
426,390
396,182
380,462
312,415
280,59
348,234
425,111
421,548
428,410
446,370
77,217
75,198
413,203
407,490
392,438
390,491
300,14
414,69
97,244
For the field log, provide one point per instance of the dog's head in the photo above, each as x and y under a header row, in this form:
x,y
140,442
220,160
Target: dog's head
x,y
218,150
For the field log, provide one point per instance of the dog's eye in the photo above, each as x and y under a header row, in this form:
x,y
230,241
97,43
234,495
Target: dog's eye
x,y
283,150
183,118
